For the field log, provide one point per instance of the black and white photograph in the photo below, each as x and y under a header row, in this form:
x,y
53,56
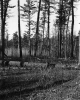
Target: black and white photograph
x,y
39,49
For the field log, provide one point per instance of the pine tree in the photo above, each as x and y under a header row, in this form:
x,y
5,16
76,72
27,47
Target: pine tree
x,y
19,31
28,10
72,28
37,29
2,31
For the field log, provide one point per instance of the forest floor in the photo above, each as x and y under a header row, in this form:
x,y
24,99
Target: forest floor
x,y
40,82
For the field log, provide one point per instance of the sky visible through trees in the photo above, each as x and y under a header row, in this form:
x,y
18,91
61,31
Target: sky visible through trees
x,y
12,21
42,26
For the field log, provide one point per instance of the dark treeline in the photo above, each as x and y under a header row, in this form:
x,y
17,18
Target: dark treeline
x,y
43,50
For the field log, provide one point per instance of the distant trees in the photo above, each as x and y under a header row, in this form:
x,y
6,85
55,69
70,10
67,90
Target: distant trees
x,y
37,32
43,20
28,9
65,10
48,27
15,40
60,22
25,40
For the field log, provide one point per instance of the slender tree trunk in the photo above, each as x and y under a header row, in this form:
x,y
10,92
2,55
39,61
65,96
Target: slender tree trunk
x,y
69,45
66,36
3,19
2,32
7,43
66,43
79,50
29,39
29,29
60,31
20,46
72,28
58,44
49,28
44,15
43,40
37,29
63,42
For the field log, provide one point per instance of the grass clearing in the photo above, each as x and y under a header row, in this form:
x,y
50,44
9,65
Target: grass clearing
x,y
34,76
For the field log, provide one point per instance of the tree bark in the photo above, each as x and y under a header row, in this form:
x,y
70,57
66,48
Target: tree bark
x,y
2,32
48,28
72,28
58,44
61,31
29,29
19,31
37,29
66,36
44,16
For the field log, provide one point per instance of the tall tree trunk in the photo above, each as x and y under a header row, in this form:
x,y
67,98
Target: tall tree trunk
x,y
29,38
69,45
37,29
48,28
44,15
61,1
29,29
79,50
72,28
19,31
4,7
66,35
58,44
2,32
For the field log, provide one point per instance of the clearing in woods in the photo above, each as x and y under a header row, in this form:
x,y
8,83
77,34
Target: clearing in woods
x,y
38,81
